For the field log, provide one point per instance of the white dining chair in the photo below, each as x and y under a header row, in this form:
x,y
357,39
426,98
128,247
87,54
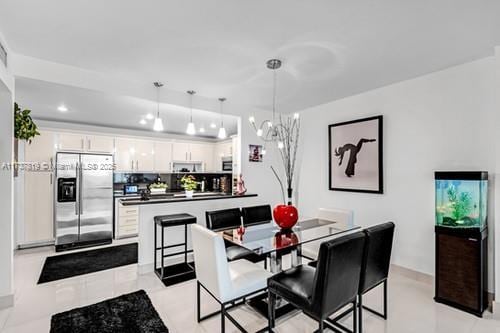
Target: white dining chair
x,y
227,282
343,216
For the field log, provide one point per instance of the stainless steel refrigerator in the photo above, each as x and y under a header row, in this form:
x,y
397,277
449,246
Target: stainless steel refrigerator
x,y
83,200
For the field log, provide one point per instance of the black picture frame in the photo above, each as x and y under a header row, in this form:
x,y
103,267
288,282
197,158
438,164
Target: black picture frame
x,y
379,140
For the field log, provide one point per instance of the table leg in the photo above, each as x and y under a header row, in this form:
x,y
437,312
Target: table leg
x,y
296,255
276,265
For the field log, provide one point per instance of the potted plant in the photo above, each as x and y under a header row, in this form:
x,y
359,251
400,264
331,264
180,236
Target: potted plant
x,y
24,129
189,184
158,187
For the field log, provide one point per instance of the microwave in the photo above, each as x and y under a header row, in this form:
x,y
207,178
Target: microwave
x,y
227,165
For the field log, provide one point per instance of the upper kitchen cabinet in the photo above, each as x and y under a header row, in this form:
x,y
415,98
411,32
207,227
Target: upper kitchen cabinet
x,y
144,155
163,156
71,142
134,155
124,154
180,151
99,144
41,149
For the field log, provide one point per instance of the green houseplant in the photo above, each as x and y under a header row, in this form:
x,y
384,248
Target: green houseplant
x,y
189,184
24,129
24,126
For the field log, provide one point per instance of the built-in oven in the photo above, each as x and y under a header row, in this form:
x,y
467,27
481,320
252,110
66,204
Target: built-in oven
x,y
227,164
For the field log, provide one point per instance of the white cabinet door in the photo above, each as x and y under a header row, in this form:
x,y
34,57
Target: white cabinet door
x,y
203,152
38,207
71,142
180,151
41,149
144,155
125,154
100,144
163,156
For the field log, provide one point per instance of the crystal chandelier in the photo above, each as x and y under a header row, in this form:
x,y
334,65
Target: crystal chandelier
x,y
282,130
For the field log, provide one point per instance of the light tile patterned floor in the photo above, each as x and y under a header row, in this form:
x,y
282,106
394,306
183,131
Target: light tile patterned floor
x,y
411,307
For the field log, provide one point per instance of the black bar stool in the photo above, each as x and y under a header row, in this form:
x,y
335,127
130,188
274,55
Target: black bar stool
x,y
176,273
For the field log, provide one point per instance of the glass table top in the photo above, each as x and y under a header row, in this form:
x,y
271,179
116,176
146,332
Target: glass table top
x,y
267,238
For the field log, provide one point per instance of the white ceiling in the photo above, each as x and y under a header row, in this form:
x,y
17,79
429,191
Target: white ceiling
x,y
330,48
96,108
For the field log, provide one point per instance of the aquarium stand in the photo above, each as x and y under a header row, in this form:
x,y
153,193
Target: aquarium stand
x,y
461,268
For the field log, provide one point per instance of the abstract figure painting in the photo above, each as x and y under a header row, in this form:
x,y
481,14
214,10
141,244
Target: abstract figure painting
x,y
355,155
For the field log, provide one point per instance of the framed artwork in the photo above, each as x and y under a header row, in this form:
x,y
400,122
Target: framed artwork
x,y
255,153
355,150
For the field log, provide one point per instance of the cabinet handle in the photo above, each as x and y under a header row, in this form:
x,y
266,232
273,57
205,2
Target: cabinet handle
x,y
190,157
132,165
51,178
136,165
186,156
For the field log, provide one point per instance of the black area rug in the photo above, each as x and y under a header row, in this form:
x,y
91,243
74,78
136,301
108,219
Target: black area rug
x,y
78,263
124,314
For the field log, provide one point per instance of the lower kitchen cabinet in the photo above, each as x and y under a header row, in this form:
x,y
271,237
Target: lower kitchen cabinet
x,y
127,221
38,207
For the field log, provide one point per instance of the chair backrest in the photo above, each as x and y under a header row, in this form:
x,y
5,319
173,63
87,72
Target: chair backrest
x,y
335,214
257,214
377,255
338,273
211,266
223,219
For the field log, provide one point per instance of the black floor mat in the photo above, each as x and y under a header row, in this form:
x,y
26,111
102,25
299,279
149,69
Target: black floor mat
x,y
78,263
124,314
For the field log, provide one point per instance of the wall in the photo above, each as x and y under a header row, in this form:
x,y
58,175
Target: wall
x,y
6,184
496,125
435,122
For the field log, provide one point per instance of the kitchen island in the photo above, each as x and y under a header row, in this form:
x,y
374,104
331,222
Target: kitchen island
x,y
166,205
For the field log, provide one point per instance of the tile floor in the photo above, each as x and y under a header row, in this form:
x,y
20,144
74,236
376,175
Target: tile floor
x,y
411,307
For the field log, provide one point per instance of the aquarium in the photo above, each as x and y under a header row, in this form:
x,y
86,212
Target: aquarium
x,y
461,199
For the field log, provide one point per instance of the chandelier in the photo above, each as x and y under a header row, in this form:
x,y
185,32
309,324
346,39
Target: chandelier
x,y
281,130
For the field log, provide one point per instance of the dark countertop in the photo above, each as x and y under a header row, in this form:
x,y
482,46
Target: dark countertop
x,y
134,202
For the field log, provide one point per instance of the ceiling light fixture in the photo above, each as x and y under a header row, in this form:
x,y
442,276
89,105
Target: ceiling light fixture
x,y
213,125
158,124
62,108
191,129
222,131
202,130
150,116
143,121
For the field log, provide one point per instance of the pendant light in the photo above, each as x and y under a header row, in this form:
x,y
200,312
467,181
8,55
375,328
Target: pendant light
x,y
158,124
222,131
191,129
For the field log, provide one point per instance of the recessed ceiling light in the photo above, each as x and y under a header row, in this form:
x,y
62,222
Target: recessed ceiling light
x,y
202,130
213,125
150,116
62,108
143,121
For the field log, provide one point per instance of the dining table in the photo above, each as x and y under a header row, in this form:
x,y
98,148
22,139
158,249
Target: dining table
x,y
272,241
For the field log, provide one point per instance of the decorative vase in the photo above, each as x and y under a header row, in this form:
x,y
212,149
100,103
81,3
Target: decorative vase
x,y
285,238
286,216
189,194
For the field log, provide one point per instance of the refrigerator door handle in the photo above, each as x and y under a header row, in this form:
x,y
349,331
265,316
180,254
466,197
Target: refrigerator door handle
x,y
77,201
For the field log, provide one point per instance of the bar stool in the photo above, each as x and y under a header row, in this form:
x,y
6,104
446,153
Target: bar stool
x,y
176,273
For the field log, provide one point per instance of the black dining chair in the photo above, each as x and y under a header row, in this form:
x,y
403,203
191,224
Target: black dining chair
x,y
378,250
257,215
226,219
320,292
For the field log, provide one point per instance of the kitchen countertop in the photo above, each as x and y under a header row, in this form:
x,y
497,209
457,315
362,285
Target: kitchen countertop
x,y
182,198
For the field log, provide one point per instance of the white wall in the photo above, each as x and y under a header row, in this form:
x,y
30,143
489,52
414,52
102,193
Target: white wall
x,y
6,184
496,125
436,122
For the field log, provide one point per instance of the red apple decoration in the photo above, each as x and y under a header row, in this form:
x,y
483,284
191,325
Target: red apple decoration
x,y
286,216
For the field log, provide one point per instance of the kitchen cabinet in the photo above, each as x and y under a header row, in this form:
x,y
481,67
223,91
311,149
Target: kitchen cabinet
x,y
124,154
99,144
71,142
163,156
144,155
41,149
38,207
134,155
127,221
193,152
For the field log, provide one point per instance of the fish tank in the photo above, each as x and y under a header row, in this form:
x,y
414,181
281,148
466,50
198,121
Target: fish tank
x,y
461,199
